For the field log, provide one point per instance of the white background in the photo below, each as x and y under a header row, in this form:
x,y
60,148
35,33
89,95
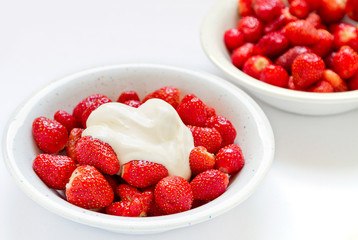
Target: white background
x,y
311,191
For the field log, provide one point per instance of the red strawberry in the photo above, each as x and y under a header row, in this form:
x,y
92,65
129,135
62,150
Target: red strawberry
x,y
301,32
345,62
245,7
200,160
314,4
198,203
286,59
314,19
94,152
127,192
153,209
173,194
54,170
241,54
133,103
254,65
322,87
50,135
274,75
325,44
65,119
224,127
128,95
209,185
345,34
193,112
251,27
307,69
187,98
292,86
332,10
210,138
88,188
141,174
352,9
267,10
272,44
134,208
280,21
112,181
299,8
91,108
335,80
229,159
169,94
73,138
233,38
353,82
329,60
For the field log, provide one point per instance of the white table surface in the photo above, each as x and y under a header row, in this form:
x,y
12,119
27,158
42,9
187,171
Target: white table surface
x,y
311,191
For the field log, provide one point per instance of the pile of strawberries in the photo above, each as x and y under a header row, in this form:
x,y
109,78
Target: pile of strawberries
x,y
89,172
304,46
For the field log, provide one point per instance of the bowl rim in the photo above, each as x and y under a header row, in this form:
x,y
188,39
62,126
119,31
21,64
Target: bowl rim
x,y
208,43
137,225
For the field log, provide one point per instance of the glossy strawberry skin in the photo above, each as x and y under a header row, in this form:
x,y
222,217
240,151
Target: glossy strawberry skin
x,y
314,19
280,22
65,119
325,44
274,75
267,10
88,188
210,138
271,45
251,27
321,87
50,136
141,174
233,38
301,32
193,112
287,58
254,65
128,95
73,137
345,34
133,103
299,8
245,7
352,9
169,94
345,62
173,194
134,208
224,127
230,159
338,84
94,152
241,54
200,160
209,185
54,170
331,10
91,108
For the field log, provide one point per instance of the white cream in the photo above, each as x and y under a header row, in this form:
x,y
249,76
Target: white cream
x,y
153,132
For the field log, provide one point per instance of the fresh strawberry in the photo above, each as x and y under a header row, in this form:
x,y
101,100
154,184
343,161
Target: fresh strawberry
x,y
84,104
267,10
314,4
210,111
299,8
199,203
200,160
230,159
127,192
329,59
134,208
187,98
286,59
345,62
251,27
128,95
209,185
325,44
352,9
292,86
193,112
274,75
141,174
224,127
88,188
353,82
233,38
321,87
96,153
173,194
335,80
332,10
112,181
245,7
210,138
314,19
254,65
65,119
73,138
241,54
280,21
153,209
91,108
54,170
345,34
301,32
271,45
307,69
133,103
169,94
50,136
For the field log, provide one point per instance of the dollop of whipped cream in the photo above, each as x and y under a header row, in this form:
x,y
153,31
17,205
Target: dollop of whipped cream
x,y
153,132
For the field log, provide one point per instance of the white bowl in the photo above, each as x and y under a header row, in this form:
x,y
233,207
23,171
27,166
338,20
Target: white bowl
x,y
223,16
255,136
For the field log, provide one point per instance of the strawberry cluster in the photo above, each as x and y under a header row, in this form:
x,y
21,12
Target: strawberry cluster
x,y
304,46
89,172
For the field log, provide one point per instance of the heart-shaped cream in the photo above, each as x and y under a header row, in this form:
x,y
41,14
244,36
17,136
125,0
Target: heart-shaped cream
x,y
153,132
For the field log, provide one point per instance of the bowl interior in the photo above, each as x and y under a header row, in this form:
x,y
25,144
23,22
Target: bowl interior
x,y
254,136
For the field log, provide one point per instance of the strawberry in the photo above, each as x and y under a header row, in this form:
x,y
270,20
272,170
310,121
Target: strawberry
x,y
286,59
314,4
96,153
233,38
141,174
224,127
75,135
345,34
134,208
280,21
251,27
169,94
332,10
210,138
187,98
314,19
91,108
193,112
335,80
241,54
200,160
301,32
329,59
245,7
128,95
292,86
307,69
272,44
112,181
267,10
254,65
325,44
84,104
353,82
299,8
352,9
50,136
127,192
133,103
65,119
88,188
229,159
274,75
345,62
198,203
153,209
209,185
322,87
54,170
173,194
